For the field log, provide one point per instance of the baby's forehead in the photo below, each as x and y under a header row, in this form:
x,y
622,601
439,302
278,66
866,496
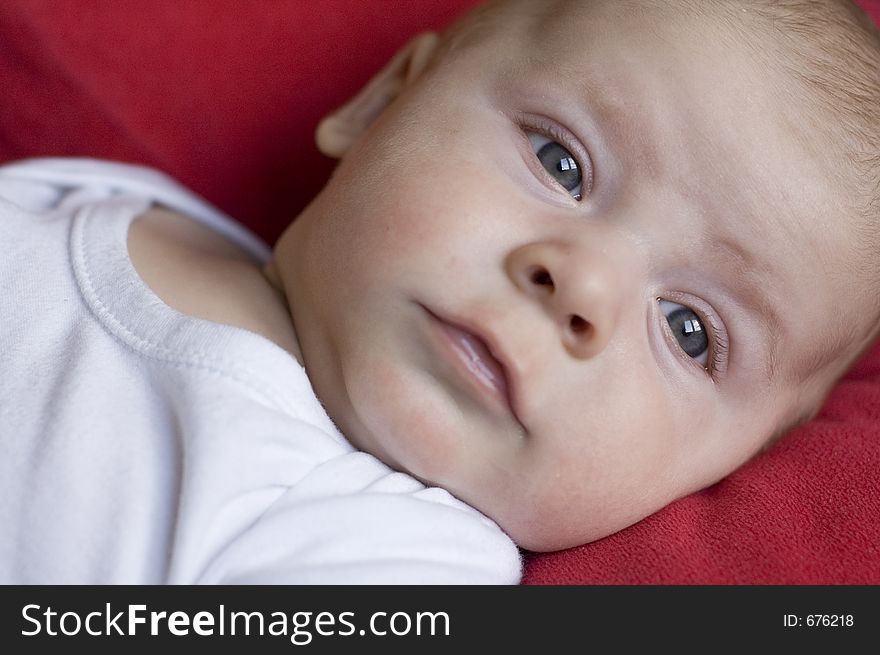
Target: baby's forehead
x,y
576,37
583,18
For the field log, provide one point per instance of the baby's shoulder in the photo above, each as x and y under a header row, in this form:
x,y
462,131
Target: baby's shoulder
x,y
199,272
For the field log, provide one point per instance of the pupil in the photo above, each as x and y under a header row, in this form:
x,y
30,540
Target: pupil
x,y
558,161
689,331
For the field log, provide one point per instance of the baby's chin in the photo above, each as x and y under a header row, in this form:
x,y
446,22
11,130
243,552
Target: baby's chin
x,y
561,522
541,536
531,527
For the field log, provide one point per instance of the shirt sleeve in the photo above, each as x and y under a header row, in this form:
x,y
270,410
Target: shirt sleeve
x,y
395,531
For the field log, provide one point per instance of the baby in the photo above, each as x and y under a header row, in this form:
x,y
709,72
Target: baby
x,y
578,260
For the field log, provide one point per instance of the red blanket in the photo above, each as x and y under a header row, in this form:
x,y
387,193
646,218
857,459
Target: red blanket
x,y
225,95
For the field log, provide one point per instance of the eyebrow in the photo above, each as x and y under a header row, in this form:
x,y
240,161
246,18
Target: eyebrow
x,y
748,291
812,362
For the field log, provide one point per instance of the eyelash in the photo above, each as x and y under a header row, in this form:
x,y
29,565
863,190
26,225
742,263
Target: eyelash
x,y
552,130
718,345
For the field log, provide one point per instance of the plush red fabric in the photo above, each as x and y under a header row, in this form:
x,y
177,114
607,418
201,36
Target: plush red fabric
x,y
225,95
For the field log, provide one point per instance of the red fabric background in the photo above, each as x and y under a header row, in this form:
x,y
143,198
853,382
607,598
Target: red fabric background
x,y
225,95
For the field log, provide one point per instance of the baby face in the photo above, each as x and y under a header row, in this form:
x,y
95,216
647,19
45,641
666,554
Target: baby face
x,y
564,275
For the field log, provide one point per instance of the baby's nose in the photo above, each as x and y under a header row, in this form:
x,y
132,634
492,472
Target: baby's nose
x,y
578,291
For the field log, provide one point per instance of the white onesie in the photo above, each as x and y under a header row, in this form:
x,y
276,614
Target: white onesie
x,y
142,445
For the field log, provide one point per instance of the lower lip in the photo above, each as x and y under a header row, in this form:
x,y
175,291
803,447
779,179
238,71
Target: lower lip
x,y
473,357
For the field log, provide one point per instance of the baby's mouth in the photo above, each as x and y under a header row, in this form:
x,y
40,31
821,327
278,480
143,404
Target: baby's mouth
x,y
476,359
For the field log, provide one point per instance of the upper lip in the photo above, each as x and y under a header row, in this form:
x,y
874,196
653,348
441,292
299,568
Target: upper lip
x,y
493,346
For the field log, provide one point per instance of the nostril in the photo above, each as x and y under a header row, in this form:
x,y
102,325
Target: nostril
x,y
578,325
541,277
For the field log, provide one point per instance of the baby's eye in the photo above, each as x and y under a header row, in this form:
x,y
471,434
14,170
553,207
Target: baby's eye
x,y
558,162
688,329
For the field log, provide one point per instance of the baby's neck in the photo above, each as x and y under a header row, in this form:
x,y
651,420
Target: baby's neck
x,y
198,272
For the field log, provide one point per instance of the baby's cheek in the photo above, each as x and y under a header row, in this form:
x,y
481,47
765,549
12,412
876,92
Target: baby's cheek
x,y
409,420
612,467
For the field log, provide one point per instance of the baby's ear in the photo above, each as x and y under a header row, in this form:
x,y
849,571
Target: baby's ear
x,y
337,131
